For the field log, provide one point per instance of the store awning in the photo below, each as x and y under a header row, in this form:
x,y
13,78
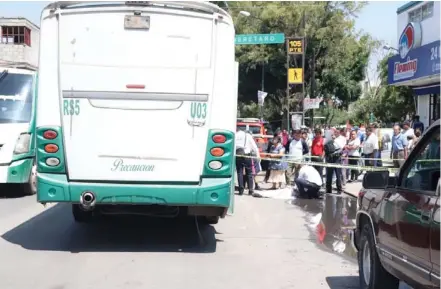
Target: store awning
x,y
427,89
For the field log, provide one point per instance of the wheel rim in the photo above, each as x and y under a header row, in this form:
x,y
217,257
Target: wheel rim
x,y
33,181
366,263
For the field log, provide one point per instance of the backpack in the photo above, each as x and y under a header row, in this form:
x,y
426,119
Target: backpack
x,y
330,148
305,147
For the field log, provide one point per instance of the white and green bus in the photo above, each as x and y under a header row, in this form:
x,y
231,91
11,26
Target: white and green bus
x,y
17,128
137,106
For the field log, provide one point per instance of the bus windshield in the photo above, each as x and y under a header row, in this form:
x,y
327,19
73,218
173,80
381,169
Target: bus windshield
x,y
15,97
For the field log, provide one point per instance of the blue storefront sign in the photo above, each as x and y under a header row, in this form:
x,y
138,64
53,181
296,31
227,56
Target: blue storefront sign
x,y
414,62
417,63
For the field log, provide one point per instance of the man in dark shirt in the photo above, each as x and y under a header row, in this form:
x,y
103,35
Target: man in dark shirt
x,y
333,158
418,124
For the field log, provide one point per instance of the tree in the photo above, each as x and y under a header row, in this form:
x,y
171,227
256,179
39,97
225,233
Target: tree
x,y
341,53
389,103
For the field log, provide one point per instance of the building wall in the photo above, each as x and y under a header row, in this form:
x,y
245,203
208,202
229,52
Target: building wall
x,y
430,27
20,52
31,53
423,109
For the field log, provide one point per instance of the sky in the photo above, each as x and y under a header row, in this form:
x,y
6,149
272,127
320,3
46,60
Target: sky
x,y
378,18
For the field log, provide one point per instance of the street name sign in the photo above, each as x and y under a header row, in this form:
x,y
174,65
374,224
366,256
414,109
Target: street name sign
x,y
248,39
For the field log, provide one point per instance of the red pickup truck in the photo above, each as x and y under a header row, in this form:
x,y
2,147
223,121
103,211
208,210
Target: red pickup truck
x,y
260,130
397,231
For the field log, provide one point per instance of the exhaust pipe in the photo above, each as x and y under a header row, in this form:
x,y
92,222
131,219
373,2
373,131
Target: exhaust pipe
x,y
87,200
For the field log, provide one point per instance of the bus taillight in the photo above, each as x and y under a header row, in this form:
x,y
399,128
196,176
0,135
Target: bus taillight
x,y
51,148
219,138
217,152
215,165
50,134
52,162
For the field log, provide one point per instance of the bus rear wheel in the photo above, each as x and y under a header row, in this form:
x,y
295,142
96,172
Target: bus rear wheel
x,y
209,220
80,215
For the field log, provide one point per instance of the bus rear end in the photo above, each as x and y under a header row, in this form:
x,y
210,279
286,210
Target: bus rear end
x,y
17,124
128,114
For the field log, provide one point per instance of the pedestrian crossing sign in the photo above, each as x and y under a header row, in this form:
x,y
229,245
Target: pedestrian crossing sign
x,y
295,76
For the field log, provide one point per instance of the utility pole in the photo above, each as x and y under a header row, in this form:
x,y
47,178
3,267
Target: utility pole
x,y
295,48
262,89
287,85
312,85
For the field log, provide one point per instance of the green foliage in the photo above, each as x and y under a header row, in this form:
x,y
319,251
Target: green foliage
x,y
341,54
388,103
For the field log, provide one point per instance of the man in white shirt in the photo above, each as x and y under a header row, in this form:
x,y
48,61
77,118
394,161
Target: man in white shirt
x,y
245,147
370,147
296,149
340,138
328,134
408,133
308,182
407,130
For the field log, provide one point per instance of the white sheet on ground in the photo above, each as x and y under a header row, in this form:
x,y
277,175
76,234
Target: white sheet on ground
x,y
280,194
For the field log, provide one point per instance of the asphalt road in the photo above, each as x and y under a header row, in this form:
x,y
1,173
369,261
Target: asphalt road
x,y
266,244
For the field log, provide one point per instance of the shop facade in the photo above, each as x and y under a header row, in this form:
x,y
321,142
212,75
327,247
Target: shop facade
x,y
417,61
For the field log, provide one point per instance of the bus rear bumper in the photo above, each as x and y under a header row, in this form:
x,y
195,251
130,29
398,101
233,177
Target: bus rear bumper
x,y
16,172
213,192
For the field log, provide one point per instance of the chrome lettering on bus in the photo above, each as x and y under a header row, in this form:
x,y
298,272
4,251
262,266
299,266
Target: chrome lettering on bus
x,y
118,165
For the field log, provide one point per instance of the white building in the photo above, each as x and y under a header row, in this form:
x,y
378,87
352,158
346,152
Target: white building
x,y
19,42
417,62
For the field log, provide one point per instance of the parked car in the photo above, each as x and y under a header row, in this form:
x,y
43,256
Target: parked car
x,y
397,231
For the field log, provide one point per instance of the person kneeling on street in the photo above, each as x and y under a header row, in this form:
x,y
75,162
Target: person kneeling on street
x,y
308,182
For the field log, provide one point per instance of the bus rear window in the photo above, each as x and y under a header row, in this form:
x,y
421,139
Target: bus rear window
x,y
15,97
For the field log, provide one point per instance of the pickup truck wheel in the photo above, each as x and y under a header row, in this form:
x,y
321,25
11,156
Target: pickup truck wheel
x,y
372,273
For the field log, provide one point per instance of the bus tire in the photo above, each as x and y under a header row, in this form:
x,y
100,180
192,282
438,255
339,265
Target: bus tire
x,y
81,216
30,188
211,220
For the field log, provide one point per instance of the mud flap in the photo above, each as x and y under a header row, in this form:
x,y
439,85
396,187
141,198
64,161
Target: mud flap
x,y
230,211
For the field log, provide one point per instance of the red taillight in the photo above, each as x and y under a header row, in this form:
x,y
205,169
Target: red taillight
x,y
50,134
219,138
217,152
51,148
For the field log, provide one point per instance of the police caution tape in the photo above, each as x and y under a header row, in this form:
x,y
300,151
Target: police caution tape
x,y
281,158
354,158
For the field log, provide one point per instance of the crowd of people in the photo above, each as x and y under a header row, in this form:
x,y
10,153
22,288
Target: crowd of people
x,y
301,158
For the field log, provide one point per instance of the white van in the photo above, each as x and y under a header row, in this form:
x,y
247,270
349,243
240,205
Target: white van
x,y
17,126
137,106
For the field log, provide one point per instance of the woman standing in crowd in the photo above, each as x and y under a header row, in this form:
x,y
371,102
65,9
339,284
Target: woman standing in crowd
x,y
413,142
277,167
317,150
353,153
